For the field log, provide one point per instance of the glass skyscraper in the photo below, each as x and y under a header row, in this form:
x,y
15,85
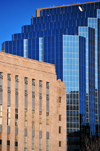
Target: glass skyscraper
x,y
68,36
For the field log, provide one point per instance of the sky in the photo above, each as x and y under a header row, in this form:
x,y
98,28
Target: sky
x,y
16,13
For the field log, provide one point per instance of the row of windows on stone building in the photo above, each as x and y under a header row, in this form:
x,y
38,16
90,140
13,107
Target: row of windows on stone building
x,y
33,114
25,111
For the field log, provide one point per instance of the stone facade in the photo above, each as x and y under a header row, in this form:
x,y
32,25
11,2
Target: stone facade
x,y
56,133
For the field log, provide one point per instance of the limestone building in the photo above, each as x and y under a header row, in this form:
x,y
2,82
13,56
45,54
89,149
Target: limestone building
x,y
32,106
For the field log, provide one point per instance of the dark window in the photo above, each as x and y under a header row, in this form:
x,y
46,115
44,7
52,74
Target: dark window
x,y
59,129
16,110
16,116
59,117
59,99
59,143
16,143
0,142
8,143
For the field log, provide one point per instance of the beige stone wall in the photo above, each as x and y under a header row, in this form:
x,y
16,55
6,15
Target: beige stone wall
x,y
32,69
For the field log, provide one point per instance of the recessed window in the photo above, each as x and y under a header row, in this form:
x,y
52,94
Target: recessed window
x,y
59,99
60,129
0,114
16,117
59,143
32,143
8,142
0,142
47,121
47,144
8,115
16,143
40,144
25,117
40,120
25,143
33,119
59,117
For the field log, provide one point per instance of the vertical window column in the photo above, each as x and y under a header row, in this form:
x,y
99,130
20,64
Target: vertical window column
x,y
9,99
33,104
25,112
26,98
16,100
47,114
33,112
40,114
47,106
40,105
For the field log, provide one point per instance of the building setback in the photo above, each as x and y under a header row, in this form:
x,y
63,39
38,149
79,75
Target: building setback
x,y
68,36
32,106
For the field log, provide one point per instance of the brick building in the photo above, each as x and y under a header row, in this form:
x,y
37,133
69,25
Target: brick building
x,y
32,106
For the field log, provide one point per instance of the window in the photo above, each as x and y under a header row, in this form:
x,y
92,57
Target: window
x,y
9,98
1,94
25,143
59,143
9,89
8,115
33,119
33,143
60,129
59,99
25,117
16,117
47,144
40,83
8,142
16,110
40,144
16,142
47,122
59,117
0,141
16,96
0,114
40,120
40,95
33,94
47,96
26,100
